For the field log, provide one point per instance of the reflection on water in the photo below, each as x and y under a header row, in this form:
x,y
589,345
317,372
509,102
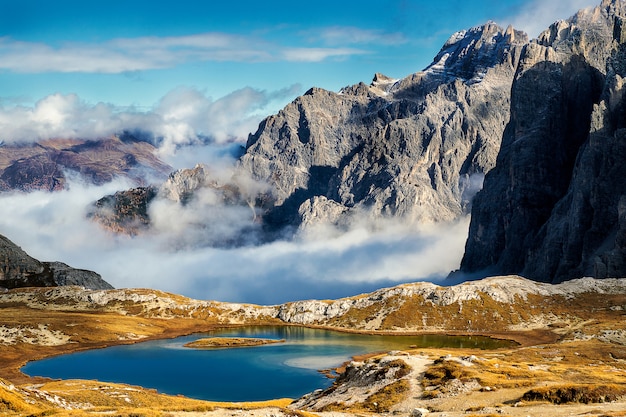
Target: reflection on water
x,y
316,362
243,374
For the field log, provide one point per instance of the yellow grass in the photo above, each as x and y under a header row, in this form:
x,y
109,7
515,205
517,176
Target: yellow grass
x,y
542,365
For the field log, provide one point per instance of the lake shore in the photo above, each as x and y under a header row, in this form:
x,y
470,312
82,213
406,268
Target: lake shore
x,y
563,346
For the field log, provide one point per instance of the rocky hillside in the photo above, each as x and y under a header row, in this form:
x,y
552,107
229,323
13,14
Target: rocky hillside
x,y
572,335
45,165
493,305
415,148
554,207
18,269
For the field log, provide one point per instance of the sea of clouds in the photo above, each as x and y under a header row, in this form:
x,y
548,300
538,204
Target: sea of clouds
x,y
178,254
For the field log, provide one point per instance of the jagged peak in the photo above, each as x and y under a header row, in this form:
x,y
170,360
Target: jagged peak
x,y
383,83
381,78
469,53
603,14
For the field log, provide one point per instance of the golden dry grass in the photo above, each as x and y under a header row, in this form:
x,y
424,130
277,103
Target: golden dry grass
x,y
576,393
89,398
541,363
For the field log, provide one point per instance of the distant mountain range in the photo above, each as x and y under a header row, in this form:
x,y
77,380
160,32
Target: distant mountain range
x,y
542,121
45,165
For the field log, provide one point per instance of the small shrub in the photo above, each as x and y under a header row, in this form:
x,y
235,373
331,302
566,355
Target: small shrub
x,y
585,394
383,400
442,372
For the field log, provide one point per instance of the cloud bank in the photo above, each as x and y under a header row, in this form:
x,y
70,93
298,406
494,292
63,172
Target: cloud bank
x,y
183,117
52,226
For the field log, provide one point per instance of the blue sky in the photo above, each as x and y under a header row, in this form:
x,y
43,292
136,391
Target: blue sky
x,y
132,53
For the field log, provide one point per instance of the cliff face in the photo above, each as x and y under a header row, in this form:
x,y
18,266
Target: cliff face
x,y
18,269
553,207
414,148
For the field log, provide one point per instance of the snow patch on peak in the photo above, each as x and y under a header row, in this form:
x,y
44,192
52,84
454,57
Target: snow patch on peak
x,y
468,54
383,83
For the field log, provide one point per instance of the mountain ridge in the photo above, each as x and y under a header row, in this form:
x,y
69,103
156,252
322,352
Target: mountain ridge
x,y
46,165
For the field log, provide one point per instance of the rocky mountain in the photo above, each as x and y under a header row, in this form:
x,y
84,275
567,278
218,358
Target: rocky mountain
x,y
411,148
45,165
554,207
542,119
415,148
18,269
228,210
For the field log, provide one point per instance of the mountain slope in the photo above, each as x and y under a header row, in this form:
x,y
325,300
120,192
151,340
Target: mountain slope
x,y
18,269
45,165
407,148
553,208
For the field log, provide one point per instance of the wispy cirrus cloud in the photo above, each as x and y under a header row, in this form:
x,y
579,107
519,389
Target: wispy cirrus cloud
x,y
152,52
318,54
338,35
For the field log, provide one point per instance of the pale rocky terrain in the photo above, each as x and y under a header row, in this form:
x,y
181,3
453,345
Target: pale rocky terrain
x,y
571,334
367,312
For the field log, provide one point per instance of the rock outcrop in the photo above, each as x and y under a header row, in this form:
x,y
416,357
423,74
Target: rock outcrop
x,y
236,201
18,269
553,208
125,212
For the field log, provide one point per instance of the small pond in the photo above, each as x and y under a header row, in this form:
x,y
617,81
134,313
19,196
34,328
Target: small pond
x,y
284,370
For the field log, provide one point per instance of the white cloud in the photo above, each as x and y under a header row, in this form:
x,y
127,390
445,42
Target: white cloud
x,y
537,15
145,53
338,35
181,118
319,54
52,226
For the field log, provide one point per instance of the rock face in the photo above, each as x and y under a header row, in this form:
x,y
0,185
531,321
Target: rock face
x,y
554,206
235,201
18,269
125,212
45,165
413,148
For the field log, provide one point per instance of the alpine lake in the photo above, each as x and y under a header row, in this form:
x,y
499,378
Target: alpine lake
x,y
288,369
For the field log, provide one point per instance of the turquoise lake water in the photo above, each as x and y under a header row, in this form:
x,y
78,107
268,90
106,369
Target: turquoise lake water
x,y
285,370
